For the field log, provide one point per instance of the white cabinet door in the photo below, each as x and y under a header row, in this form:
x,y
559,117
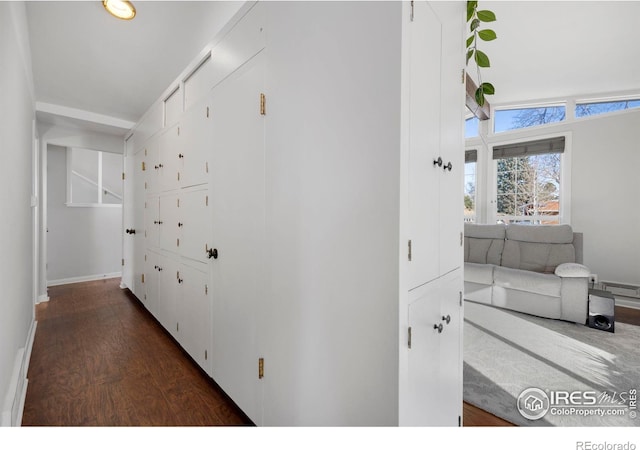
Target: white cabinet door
x,y
195,224
169,220
194,314
424,146
436,145
136,260
169,163
237,198
434,386
168,276
151,281
151,166
152,221
196,132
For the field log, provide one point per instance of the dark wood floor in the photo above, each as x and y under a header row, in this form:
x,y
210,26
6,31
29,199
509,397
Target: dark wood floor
x,y
100,359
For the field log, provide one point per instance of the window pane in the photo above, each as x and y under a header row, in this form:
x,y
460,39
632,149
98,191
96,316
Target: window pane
x,y
84,176
470,192
471,127
592,109
111,178
528,189
513,119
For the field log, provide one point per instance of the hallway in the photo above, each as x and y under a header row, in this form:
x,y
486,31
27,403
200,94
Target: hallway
x,y
100,359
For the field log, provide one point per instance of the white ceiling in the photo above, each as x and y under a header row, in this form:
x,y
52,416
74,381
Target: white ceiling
x,y
87,61
552,49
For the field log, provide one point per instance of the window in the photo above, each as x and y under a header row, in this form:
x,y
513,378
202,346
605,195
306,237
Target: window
x,y
471,127
513,119
595,108
93,178
470,180
528,181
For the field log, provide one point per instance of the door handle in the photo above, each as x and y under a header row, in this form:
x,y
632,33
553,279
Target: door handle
x,y
212,253
447,318
438,327
130,231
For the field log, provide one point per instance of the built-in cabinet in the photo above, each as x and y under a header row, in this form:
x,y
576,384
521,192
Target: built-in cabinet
x,y
296,197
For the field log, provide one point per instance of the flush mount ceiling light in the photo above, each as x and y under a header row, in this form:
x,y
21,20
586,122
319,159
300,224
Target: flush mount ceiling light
x,y
121,9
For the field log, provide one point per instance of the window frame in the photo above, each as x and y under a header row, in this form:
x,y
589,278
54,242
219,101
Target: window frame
x,y
69,197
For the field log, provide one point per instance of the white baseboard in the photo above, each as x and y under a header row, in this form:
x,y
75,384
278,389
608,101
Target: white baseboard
x,y
103,276
13,406
43,298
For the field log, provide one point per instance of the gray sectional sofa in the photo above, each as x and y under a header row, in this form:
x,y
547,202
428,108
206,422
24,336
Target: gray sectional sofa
x,y
535,269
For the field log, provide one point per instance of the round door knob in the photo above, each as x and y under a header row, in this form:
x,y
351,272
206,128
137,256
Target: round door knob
x,y
212,253
437,162
180,224
447,318
180,155
438,327
448,166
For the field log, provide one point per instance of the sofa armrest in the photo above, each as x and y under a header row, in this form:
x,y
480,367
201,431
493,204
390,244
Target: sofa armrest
x,y
572,270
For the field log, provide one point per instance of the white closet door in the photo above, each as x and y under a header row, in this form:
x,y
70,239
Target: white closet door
x,y
424,146
137,259
237,199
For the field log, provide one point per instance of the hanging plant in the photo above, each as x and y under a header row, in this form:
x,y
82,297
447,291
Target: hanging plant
x,y
475,19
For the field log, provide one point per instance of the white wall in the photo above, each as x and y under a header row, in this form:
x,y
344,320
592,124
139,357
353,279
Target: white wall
x,y
16,144
82,242
605,194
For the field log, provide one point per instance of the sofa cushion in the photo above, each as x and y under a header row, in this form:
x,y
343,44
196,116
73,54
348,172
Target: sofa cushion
x,y
539,248
483,244
527,281
478,273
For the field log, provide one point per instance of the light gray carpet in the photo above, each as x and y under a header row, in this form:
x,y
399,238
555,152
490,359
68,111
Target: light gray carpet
x,y
506,352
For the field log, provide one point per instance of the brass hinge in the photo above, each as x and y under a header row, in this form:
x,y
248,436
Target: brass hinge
x,y
463,76
177,274
123,261
409,337
409,250
207,112
263,106
123,175
411,16
206,289
144,166
143,278
260,368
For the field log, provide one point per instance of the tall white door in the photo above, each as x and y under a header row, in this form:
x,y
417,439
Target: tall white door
x,y
237,184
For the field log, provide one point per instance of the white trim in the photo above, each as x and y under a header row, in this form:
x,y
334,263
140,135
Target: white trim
x,y
81,279
43,298
80,114
13,406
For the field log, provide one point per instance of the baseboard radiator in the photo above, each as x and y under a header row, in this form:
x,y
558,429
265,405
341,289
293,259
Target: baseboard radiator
x,y
627,290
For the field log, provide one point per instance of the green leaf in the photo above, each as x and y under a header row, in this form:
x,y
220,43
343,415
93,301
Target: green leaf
x,y
487,35
487,88
482,60
469,55
470,40
479,97
471,7
486,16
475,23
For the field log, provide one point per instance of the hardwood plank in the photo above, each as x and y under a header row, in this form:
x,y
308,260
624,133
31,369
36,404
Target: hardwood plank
x,y
100,359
